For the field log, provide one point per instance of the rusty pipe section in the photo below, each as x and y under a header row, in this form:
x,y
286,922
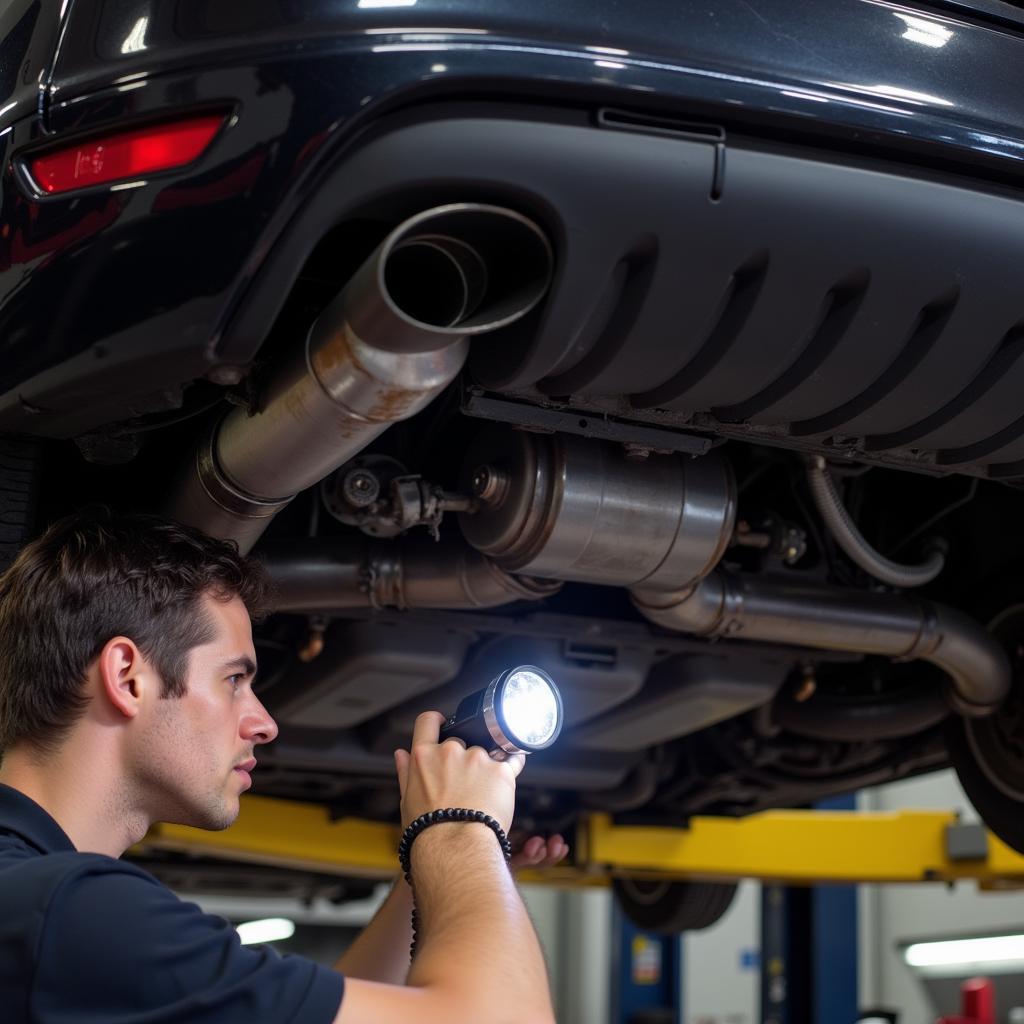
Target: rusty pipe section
x,y
416,572
896,626
389,343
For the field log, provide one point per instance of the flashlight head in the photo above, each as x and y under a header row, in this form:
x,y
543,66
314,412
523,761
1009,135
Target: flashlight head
x,y
518,712
522,709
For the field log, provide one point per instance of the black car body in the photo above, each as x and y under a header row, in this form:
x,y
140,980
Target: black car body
x,y
778,234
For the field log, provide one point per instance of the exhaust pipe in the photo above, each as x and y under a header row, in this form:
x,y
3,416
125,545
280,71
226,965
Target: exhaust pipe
x,y
905,628
393,339
567,508
413,573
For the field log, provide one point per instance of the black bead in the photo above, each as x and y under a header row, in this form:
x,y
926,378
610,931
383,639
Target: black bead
x,y
424,821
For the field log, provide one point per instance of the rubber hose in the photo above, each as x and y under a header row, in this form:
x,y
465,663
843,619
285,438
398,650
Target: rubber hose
x,y
849,538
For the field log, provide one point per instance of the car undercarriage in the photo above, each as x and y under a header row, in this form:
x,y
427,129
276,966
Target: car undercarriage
x,y
718,423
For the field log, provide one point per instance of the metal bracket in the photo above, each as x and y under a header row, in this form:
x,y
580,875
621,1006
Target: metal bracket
x,y
966,842
585,424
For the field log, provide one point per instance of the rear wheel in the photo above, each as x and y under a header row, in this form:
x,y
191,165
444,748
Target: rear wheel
x,y
988,753
670,907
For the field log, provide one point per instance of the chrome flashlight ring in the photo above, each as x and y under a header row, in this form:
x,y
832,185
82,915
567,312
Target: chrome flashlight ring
x,y
498,729
494,727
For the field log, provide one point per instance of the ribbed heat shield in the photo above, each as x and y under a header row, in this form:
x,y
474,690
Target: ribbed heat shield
x,y
841,308
783,296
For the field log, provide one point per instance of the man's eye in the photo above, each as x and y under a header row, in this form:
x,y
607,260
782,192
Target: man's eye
x,y
236,679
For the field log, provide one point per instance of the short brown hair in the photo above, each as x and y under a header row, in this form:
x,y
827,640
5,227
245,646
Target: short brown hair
x,y
93,576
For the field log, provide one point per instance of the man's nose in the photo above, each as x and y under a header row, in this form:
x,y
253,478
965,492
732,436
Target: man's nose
x,y
257,725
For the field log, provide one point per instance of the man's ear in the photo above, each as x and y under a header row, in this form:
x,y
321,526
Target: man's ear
x,y
124,674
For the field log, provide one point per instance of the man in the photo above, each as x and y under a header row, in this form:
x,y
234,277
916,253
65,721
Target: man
x,y
126,669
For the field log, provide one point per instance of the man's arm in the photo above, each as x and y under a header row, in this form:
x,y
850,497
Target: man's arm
x,y
478,956
381,951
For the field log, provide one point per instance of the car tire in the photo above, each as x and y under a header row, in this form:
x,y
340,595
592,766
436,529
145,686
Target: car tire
x,y
19,465
669,907
988,753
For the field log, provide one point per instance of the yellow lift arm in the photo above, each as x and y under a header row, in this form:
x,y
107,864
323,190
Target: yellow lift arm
x,y
793,847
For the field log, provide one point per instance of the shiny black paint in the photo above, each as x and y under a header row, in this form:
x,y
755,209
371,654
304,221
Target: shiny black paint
x,y
778,55
29,30
122,294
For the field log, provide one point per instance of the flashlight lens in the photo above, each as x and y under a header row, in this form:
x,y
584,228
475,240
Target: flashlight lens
x,y
529,708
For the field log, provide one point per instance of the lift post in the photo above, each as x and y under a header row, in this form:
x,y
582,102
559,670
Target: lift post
x,y
788,847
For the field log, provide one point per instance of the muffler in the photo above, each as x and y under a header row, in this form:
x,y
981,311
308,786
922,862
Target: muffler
x,y
393,339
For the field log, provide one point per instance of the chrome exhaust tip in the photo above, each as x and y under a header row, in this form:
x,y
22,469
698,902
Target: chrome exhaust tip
x,y
451,271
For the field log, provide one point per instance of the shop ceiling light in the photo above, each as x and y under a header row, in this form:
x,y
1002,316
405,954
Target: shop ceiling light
x,y
518,712
123,155
267,929
967,955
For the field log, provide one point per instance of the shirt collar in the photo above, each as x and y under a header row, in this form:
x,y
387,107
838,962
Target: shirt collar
x,y
24,817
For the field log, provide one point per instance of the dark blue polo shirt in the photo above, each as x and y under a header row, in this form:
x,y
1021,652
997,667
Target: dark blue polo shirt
x,y
87,939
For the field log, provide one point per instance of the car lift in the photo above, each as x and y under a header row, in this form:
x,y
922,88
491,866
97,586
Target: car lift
x,y
787,847
789,851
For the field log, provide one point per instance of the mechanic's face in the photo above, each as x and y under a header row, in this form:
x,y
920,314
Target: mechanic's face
x,y
196,743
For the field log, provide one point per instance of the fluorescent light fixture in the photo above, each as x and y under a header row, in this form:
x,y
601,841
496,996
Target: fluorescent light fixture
x,y
434,33
136,39
923,31
609,64
967,955
267,929
896,92
804,95
614,51
365,4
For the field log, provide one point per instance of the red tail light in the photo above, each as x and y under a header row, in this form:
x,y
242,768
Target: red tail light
x,y
130,154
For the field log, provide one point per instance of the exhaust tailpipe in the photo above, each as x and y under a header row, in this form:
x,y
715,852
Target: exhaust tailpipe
x,y
393,339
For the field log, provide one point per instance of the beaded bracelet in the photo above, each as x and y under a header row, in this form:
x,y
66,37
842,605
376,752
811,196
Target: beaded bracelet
x,y
414,828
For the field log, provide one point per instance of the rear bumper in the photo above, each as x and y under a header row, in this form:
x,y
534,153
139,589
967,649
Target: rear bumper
x,y
182,276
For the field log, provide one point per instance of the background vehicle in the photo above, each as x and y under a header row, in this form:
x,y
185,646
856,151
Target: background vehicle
x,y
606,304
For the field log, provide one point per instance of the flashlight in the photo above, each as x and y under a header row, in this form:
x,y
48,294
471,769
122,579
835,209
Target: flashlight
x,y
518,712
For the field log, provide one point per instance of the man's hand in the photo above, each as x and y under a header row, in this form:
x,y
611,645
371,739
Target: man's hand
x,y
433,775
538,852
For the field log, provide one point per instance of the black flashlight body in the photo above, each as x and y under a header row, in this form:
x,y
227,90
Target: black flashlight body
x,y
468,725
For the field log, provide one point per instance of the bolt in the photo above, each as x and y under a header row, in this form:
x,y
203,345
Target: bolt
x,y
807,686
360,488
489,484
228,375
637,452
